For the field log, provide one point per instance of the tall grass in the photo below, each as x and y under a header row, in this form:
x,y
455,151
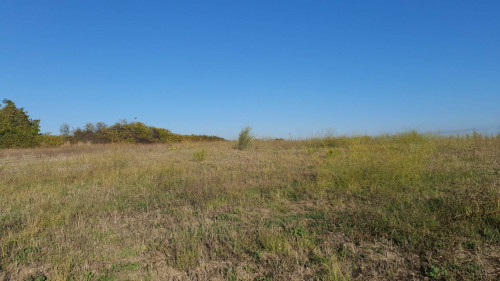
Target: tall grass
x,y
398,207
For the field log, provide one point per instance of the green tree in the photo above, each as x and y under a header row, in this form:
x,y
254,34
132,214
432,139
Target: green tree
x,y
16,128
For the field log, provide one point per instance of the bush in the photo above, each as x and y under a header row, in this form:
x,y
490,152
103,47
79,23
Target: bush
x,y
244,139
136,132
47,140
200,155
16,128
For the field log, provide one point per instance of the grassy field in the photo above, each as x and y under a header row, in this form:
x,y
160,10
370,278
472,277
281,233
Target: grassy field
x,y
396,207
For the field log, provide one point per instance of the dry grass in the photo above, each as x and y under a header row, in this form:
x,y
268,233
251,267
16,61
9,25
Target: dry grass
x,y
395,207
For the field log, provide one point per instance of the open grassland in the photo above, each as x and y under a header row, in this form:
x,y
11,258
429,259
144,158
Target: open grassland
x,y
393,207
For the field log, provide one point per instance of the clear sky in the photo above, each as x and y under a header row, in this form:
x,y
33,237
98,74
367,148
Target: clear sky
x,y
286,68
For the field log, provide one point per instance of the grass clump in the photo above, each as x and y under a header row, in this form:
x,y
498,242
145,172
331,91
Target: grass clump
x,y
244,138
200,155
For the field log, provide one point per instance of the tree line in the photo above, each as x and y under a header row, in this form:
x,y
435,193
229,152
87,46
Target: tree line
x,y
17,129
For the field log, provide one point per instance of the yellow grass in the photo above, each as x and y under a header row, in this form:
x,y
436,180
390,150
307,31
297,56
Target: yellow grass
x,y
326,209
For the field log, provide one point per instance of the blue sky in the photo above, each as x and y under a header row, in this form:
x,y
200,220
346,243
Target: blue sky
x,y
286,68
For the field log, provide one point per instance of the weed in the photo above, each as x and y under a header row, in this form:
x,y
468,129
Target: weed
x,y
297,231
491,233
237,211
107,276
37,277
436,272
332,271
223,217
26,253
258,255
275,242
249,269
470,245
124,266
200,155
87,276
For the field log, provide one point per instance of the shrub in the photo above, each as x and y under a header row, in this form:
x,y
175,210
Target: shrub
x,y
135,132
200,155
16,128
244,139
47,140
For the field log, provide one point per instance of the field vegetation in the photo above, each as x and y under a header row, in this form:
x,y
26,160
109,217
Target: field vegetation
x,y
17,130
399,207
